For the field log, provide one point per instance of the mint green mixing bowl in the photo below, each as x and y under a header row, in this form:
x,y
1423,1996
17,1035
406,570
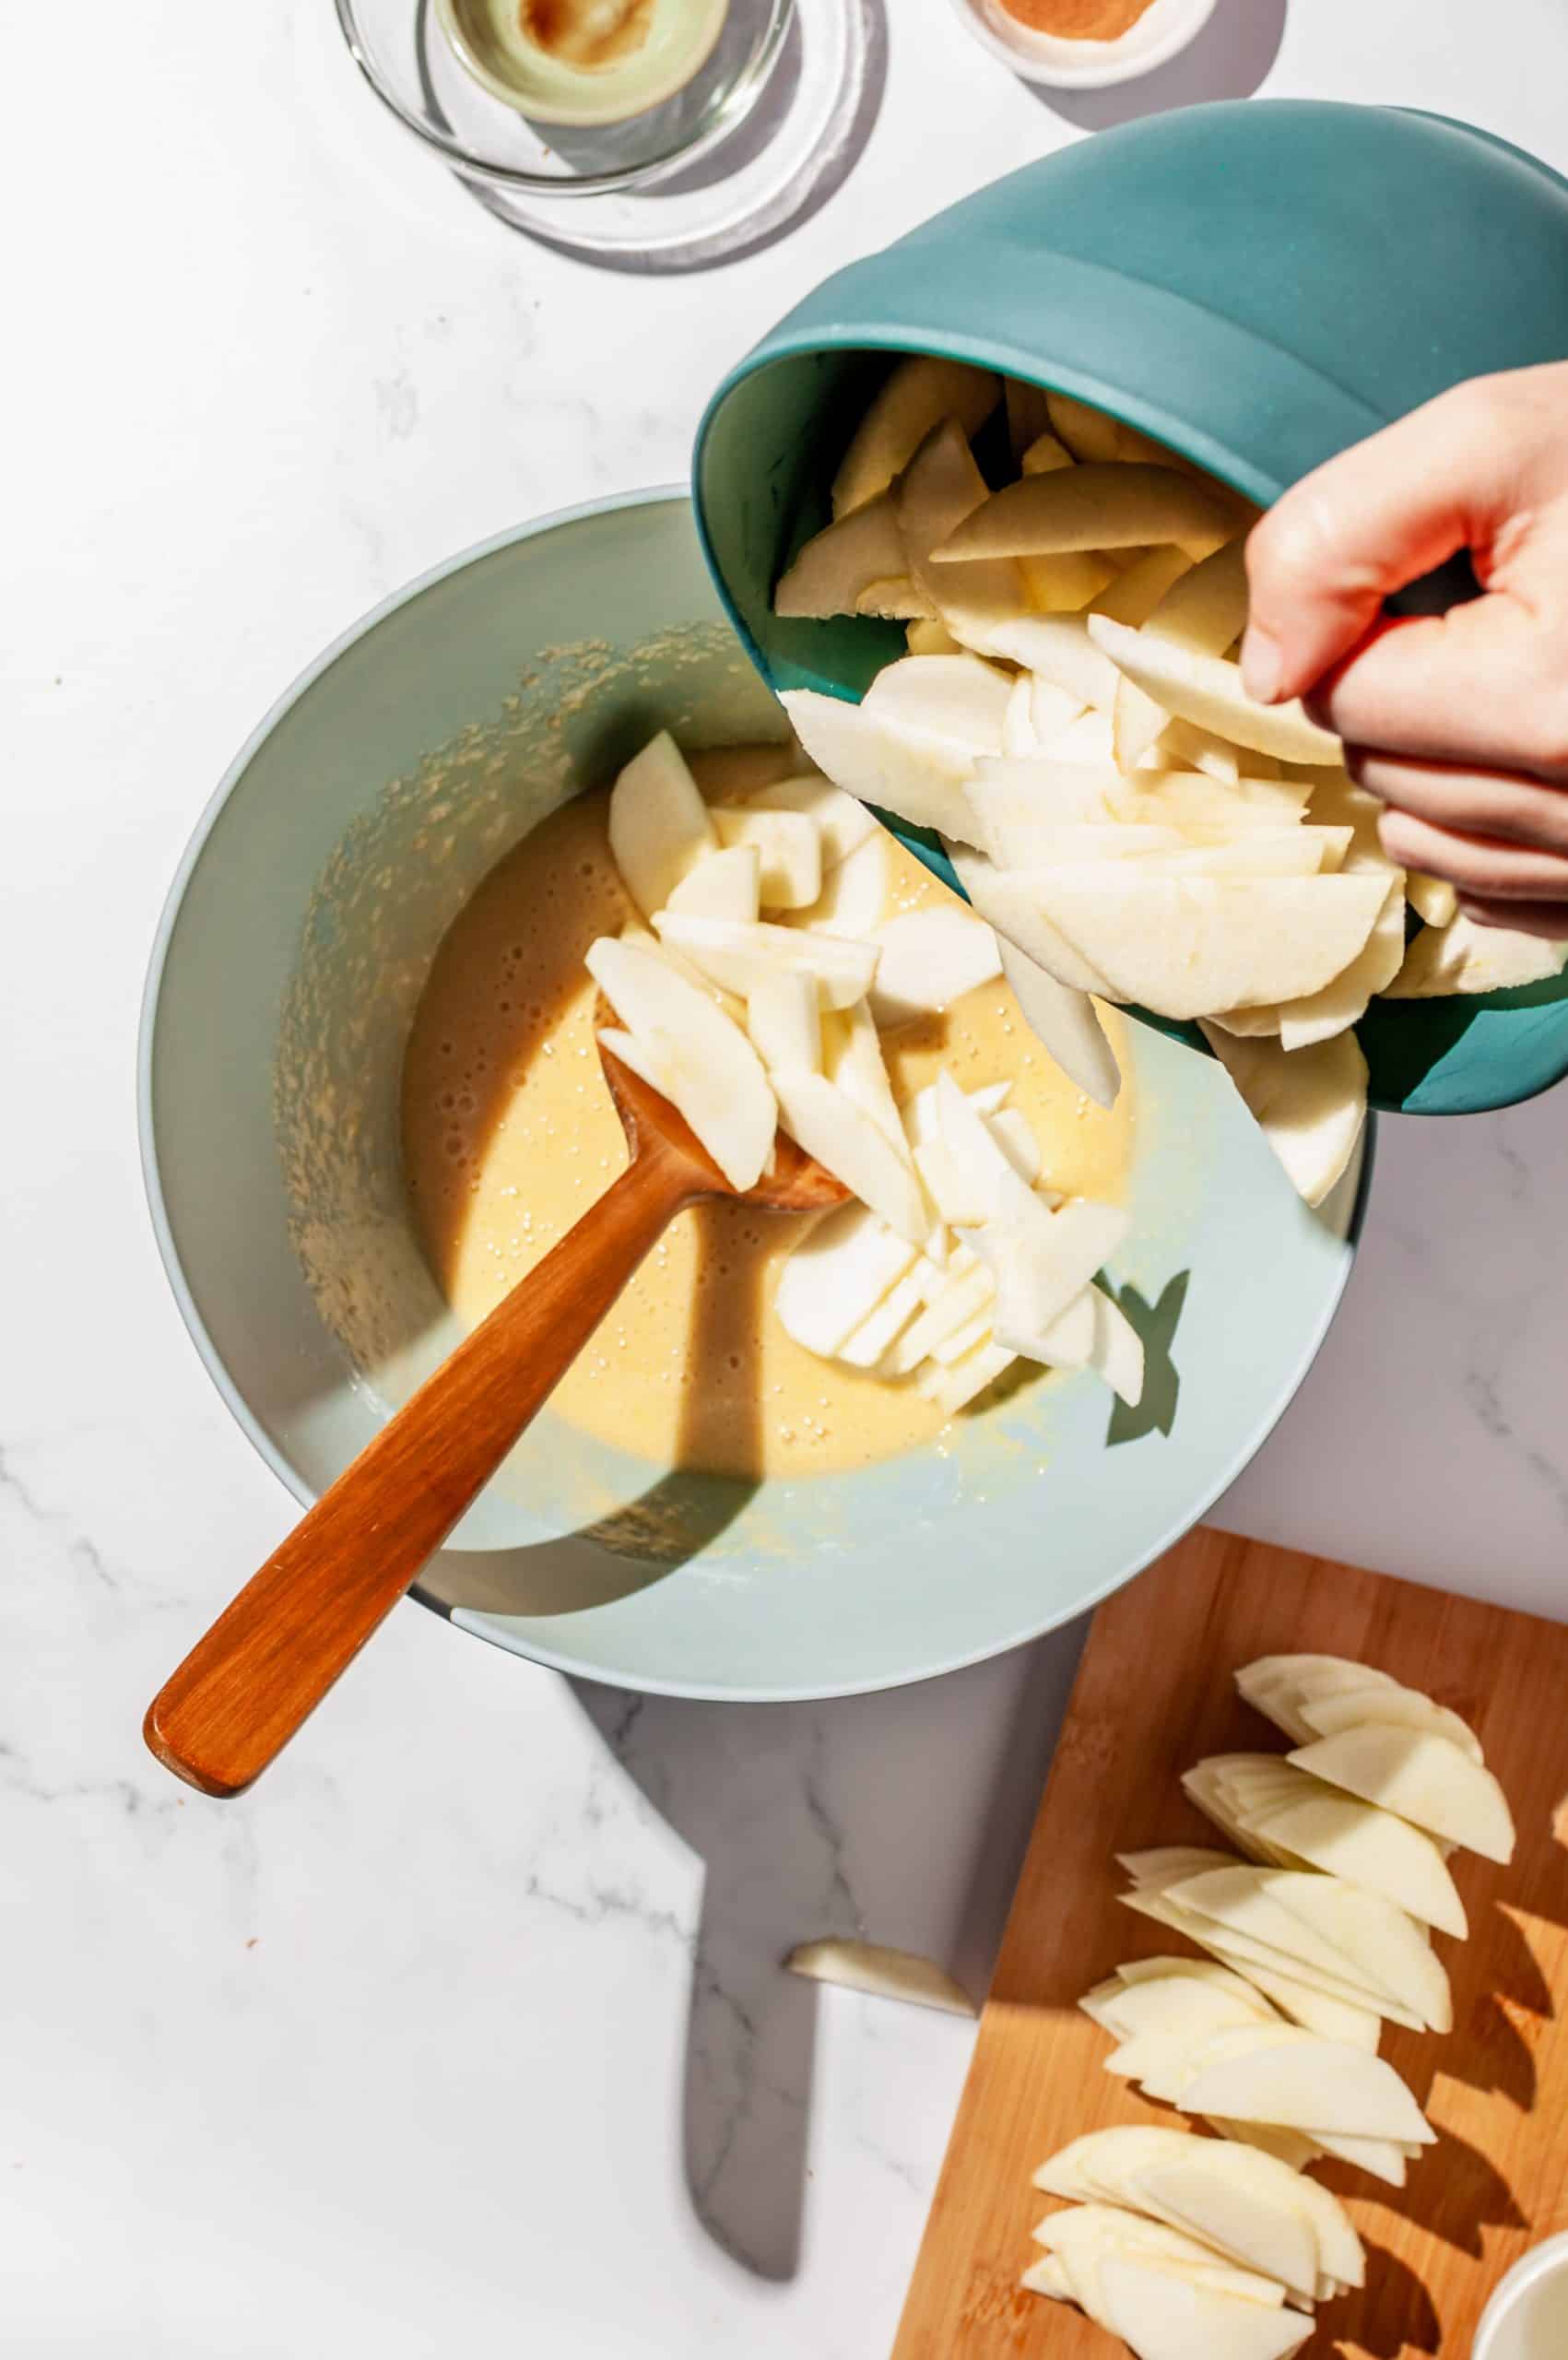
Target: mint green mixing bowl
x,y
1258,285
296,941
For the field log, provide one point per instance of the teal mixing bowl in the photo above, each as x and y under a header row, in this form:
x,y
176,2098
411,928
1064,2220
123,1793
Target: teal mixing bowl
x,y
296,941
1258,285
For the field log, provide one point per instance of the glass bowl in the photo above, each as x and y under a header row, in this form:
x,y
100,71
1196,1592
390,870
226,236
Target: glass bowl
x,y
405,54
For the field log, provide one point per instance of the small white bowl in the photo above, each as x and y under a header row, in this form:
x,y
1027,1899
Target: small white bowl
x,y
1163,30
1513,2326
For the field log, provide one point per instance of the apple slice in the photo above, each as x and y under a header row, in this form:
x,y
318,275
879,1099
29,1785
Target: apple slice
x,y
930,958
658,823
1292,2148
1065,583
1271,1683
898,599
1162,2317
1215,2192
933,638
842,1269
834,567
854,899
1303,1023
853,1060
1254,1902
952,1389
1384,1945
1018,736
842,823
1433,899
881,1974
789,848
1052,710
1087,2234
986,1172
1183,947
721,885
1203,611
783,1017
1042,1261
919,776
847,1142
1089,741
875,1336
1044,452
1309,1103
1047,2277
960,697
921,1117
1134,594
915,396
1462,957
1421,1778
1058,648
1324,1716
1008,901
1206,689
1276,2074
1064,1022
957,1300
940,487
713,1076
738,956
1369,1848
1092,507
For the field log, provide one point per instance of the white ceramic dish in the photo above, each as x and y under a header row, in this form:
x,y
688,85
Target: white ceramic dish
x,y
1160,34
1527,2317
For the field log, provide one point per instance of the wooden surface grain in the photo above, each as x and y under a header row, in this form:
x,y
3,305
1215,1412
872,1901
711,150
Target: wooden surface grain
x,y
1154,1695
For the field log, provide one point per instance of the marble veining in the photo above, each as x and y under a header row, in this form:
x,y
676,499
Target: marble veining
x,y
466,2029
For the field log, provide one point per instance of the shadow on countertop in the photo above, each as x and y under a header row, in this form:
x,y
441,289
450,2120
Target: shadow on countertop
x,y
854,1816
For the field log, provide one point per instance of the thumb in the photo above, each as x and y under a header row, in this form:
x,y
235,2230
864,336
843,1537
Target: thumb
x,y
1322,560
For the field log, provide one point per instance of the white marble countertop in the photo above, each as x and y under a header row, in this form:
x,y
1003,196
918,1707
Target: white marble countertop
x,y
465,2032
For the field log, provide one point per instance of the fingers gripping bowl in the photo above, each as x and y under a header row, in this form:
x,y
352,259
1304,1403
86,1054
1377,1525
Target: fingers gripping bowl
x,y
1254,287
299,937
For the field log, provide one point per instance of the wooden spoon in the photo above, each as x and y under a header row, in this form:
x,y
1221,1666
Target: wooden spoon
x,y
271,1656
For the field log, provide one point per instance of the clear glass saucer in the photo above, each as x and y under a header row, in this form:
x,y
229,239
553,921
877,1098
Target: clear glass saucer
x,y
754,143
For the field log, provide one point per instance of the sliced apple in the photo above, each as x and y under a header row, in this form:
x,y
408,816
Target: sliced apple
x,y
1052,709
658,823
1047,2277
897,598
957,1301
868,1344
1255,1902
1303,1023
1326,1715
783,1016
853,1060
1384,1944
1088,2235
1093,506
837,1276
930,958
1056,648
1009,902
854,899
1206,689
1064,1022
1271,1683
1088,740
833,569
952,1389
934,637
1162,2317
712,1075
847,1141
1433,899
940,487
915,396
1042,1262
1462,958
1309,1103
1203,611
1133,595
1230,2196
1366,1847
1018,722
789,848
881,1974
842,823
1280,2075
1423,1778
737,958
957,697
919,776
1044,452
1183,947
721,885
1291,2147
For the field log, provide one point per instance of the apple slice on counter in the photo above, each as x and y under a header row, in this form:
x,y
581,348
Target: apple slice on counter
x,y
847,1141
912,772
1271,1683
854,899
1277,2074
881,1972
834,567
1366,1847
1256,1903
1384,1944
1325,1716
1085,2235
1206,689
1309,1103
930,958
1183,947
1094,507
738,956
1233,2198
915,396
837,1276
783,1017
658,823
712,1074
1462,957
721,885
1420,1777
1047,2277
789,849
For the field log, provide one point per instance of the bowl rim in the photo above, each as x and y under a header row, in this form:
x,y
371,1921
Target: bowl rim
x,y
1087,74
547,187
489,1629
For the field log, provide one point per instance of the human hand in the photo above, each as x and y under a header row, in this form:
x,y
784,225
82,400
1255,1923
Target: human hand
x,y
1459,722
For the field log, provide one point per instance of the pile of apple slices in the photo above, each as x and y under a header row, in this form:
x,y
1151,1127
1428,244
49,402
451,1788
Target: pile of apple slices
x,y
1071,721
1315,1940
755,994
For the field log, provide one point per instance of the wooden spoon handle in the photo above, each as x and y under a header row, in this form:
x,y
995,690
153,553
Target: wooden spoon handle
x,y
271,1656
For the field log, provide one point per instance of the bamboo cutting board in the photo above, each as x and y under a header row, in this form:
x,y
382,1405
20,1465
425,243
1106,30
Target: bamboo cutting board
x,y
1154,1695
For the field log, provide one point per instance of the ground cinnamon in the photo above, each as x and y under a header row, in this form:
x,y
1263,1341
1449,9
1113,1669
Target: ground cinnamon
x,y
1077,19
